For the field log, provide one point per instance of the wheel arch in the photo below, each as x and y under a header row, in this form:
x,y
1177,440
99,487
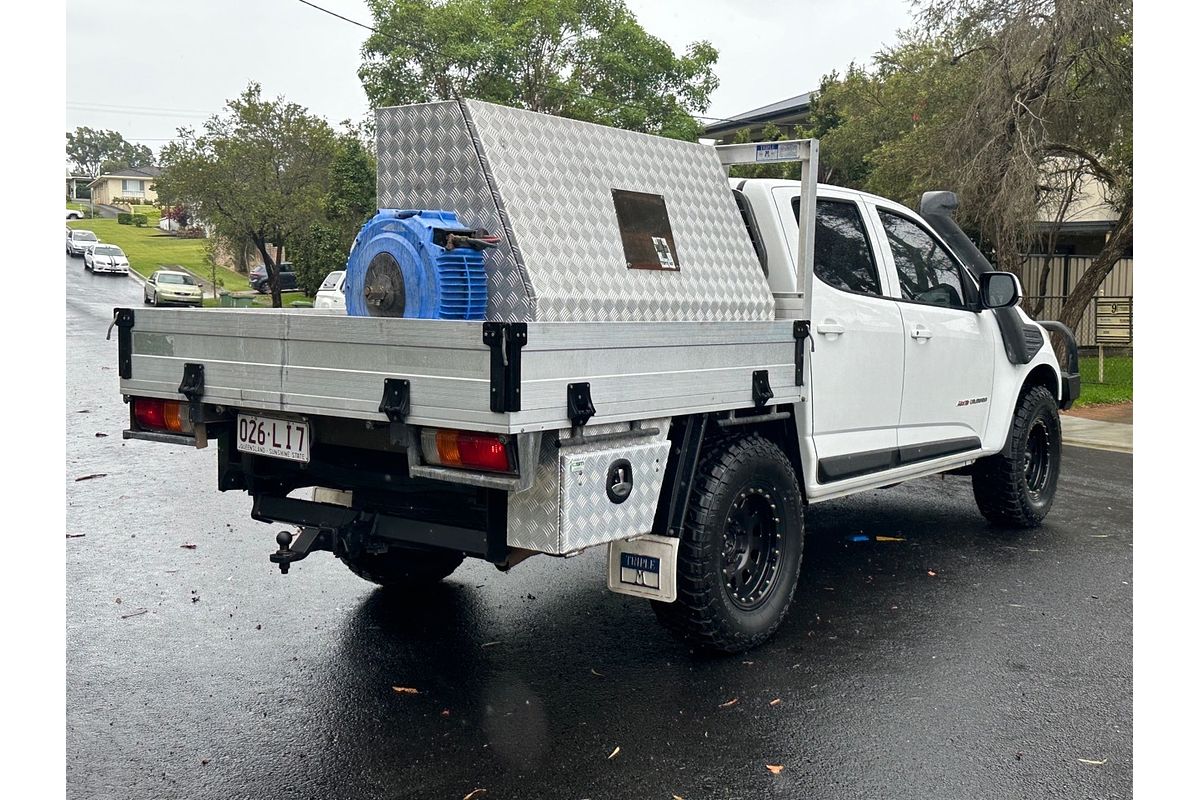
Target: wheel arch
x,y
690,435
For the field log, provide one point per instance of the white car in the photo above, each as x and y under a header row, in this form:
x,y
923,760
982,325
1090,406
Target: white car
x,y
106,258
332,293
170,287
74,214
78,241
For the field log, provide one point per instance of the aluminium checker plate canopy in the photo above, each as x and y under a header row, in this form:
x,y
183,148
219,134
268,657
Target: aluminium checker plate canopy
x,y
551,188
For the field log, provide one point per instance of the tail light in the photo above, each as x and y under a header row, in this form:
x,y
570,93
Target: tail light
x,y
491,452
154,414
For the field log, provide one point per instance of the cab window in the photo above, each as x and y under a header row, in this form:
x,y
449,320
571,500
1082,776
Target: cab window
x,y
842,254
926,271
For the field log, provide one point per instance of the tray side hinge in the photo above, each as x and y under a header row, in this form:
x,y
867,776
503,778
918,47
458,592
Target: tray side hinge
x,y
801,333
760,388
505,339
579,403
192,387
123,319
395,403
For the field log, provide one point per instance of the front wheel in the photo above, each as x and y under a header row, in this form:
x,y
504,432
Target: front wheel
x,y
403,567
1016,486
739,557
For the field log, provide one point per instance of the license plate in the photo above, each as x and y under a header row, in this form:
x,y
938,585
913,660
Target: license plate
x,y
278,438
643,567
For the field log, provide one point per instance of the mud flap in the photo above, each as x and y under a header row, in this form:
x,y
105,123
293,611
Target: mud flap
x,y
644,566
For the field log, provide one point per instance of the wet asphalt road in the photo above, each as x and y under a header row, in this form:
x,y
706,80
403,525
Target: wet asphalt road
x,y
991,678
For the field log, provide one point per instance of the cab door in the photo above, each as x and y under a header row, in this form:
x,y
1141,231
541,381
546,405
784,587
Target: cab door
x,y
949,347
857,357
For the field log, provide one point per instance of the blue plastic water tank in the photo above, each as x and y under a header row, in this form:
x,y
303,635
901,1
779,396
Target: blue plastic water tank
x,y
397,269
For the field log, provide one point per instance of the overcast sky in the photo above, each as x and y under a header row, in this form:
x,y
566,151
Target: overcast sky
x,y
146,69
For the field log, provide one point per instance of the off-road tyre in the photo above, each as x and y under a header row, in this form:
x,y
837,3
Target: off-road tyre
x,y
1015,488
402,567
745,490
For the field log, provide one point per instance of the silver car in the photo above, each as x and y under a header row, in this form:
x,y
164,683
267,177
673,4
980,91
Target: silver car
x,y
167,287
79,241
106,258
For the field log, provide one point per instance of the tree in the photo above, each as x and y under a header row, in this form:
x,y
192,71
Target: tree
x,y
585,59
259,172
348,204
1008,102
92,152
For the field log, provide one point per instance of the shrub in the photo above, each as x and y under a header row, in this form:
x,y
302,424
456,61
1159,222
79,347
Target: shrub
x,y
139,220
124,218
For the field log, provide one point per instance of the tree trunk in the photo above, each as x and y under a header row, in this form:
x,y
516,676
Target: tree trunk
x,y
1118,242
260,242
276,294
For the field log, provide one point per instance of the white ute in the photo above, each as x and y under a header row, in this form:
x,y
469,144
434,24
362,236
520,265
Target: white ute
x,y
673,364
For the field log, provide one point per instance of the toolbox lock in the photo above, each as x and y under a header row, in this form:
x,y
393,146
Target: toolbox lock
x,y
619,482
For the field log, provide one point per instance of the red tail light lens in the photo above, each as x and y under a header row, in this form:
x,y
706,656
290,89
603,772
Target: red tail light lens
x,y
491,452
154,414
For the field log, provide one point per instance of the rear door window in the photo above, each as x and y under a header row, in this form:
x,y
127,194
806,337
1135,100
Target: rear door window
x,y
842,255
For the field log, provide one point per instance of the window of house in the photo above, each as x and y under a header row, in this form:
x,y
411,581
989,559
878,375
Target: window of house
x,y
926,271
131,186
842,254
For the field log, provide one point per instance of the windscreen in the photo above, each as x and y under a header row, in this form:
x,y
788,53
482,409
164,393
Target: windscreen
x,y
331,281
107,250
84,236
180,279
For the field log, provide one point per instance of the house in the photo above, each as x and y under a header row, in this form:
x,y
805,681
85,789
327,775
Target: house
x,y
77,187
133,183
784,114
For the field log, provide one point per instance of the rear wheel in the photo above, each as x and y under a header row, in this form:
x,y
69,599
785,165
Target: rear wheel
x,y
401,567
1016,486
739,557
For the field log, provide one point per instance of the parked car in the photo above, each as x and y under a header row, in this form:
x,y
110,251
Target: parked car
x,y
167,287
79,241
106,258
74,214
332,293
287,278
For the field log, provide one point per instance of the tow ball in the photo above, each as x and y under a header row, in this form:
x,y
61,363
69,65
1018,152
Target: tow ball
x,y
309,539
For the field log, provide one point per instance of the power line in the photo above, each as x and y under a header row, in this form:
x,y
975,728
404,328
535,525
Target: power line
x,y
431,51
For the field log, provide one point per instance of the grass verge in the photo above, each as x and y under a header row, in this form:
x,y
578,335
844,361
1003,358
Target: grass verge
x,y
1118,380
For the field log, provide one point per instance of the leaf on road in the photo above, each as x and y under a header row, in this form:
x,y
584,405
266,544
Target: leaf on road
x,y
775,768
729,703
1093,763
613,754
597,674
76,535
775,702
404,690
188,546
471,795
889,539
100,435
93,476
445,712
931,573
489,644
137,613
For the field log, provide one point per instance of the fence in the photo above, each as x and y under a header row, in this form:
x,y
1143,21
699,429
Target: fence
x,y
1105,370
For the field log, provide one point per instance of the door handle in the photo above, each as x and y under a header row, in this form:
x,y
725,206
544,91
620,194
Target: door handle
x,y
830,327
920,332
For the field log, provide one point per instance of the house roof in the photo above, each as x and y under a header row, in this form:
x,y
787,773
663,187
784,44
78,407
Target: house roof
x,y
131,172
791,106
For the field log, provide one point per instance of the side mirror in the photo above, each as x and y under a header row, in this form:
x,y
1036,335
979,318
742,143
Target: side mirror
x,y
999,289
